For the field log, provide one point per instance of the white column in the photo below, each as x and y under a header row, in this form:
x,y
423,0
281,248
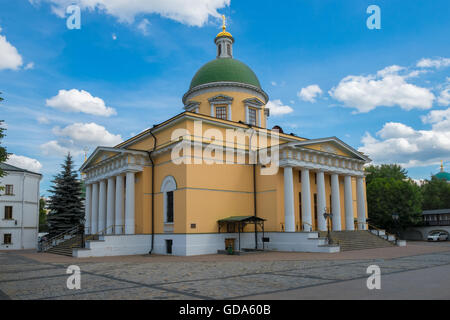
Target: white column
x,y
348,196
361,203
229,111
110,206
94,209
335,202
129,204
88,209
321,201
289,218
119,205
102,207
306,201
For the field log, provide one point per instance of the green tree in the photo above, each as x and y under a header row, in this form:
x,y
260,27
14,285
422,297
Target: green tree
x,y
3,154
42,216
394,171
436,194
389,191
66,202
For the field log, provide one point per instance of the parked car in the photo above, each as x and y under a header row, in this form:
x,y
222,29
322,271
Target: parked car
x,y
438,236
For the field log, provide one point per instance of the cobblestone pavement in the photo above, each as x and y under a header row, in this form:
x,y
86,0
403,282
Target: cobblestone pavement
x,y
22,277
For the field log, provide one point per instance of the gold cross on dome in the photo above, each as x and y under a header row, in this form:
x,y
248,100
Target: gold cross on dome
x,y
224,25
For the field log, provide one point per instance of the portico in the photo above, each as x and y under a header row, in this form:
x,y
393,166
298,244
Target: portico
x,y
301,158
110,190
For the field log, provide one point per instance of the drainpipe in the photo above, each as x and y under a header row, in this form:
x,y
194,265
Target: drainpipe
x,y
254,188
150,155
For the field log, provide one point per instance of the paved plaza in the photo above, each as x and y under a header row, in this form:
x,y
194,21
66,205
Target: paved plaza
x,y
269,275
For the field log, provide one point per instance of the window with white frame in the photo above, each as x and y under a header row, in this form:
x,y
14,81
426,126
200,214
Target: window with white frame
x,y
8,213
7,238
168,187
9,190
221,113
252,116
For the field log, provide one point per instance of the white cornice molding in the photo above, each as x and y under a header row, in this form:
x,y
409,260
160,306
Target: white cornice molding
x,y
224,86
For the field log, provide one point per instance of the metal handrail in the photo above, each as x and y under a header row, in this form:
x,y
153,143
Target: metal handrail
x,y
378,229
47,244
309,224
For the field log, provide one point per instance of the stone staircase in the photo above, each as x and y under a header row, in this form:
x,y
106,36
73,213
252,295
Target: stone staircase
x,y
65,248
357,240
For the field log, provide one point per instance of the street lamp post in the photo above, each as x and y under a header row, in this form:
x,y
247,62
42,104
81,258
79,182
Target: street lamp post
x,y
328,216
395,218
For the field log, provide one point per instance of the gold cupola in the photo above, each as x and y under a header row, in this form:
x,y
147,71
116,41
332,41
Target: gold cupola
x,y
224,42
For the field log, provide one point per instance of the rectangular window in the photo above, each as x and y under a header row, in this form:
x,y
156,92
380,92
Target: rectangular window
x,y
221,113
8,213
170,207
252,116
315,177
169,244
300,176
7,238
9,189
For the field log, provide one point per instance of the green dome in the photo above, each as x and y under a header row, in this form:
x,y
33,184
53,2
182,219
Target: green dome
x,y
225,69
443,175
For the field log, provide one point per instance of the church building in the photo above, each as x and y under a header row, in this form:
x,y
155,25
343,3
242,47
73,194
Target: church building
x,y
169,191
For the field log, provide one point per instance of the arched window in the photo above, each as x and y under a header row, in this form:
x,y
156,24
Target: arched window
x,y
169,185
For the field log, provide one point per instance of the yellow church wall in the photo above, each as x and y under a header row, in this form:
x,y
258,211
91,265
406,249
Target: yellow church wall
x,y
207,193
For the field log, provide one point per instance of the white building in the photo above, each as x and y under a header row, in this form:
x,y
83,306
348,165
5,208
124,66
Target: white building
x,y
19,208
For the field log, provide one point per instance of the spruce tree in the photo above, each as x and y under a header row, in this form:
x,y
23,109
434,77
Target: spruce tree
x,y
66,202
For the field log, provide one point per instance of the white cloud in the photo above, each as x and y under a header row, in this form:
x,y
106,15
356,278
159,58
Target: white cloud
x,y
190,12
88,133
29,66
387,88
143,26
43,120
79,101
444,97
398,143
75,137
277,108
310,93
433,63
9,56
24,163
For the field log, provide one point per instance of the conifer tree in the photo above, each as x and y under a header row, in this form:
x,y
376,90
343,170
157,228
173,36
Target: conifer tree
x,y
66,202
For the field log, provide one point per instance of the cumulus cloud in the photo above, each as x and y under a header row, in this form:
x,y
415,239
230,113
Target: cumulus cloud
x,y
75,137
399,143
277,108
9,56
444,97
190,12
79,101
143,26
433,63
310,93
24,163
387,88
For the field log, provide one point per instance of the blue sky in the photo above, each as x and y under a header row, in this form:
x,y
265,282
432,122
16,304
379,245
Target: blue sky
x,y
385,92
